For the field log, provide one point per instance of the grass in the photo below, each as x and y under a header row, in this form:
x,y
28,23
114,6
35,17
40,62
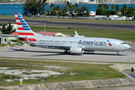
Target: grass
x,y
28,73
117,34
82,71
73,20
2,89
2,45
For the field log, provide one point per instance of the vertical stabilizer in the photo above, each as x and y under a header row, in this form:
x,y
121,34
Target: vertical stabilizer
x,y
23,29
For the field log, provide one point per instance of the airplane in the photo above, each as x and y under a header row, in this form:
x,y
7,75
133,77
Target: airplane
x,y
72,45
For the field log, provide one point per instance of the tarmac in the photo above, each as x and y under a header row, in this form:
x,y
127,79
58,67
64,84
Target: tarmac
x,y
36,52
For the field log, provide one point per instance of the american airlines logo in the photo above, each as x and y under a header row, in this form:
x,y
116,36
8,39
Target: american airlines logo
x,y
109,43
92,43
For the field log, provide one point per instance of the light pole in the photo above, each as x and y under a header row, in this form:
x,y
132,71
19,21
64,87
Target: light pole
x,y
44,25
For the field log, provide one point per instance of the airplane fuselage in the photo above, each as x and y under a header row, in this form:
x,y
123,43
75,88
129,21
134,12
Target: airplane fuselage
x,y
87,43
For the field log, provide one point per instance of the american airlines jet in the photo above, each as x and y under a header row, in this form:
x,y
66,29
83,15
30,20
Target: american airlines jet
x,y
73,45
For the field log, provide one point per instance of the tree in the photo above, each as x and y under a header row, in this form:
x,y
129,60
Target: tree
x,y
73,9
124,10
130,12
110,12
52,6
62,11
116,8
57,9
52,9
41,6
34,7
112,7
7,28
84,11
68,5
100,11
100,6
105,7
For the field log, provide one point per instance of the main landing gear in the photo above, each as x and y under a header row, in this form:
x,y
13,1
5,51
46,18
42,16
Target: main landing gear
x,y
66,52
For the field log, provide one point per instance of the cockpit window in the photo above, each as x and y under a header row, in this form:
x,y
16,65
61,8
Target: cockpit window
x,y
123,43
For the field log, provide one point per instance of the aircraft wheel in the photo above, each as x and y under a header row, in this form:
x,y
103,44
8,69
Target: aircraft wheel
x,y
117,54
65,52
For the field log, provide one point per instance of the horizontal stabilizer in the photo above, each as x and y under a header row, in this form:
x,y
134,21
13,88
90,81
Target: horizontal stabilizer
x,y
7,35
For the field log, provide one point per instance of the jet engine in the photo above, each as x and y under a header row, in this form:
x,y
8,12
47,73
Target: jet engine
x,y
76,50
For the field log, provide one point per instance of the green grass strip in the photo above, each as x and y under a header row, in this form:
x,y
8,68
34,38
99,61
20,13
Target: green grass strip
x,y
80,71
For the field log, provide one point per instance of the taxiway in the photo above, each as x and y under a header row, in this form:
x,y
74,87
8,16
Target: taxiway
x,y
91,25
36,52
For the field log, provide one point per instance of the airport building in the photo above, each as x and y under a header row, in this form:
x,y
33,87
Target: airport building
x,y
92,1
56,1
114,1
58,34
78,1
82,1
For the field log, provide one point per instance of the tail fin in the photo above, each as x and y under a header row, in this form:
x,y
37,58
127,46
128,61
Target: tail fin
x,y
23,29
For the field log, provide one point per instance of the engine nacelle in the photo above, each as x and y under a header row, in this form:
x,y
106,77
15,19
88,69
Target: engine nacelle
x,y
76,50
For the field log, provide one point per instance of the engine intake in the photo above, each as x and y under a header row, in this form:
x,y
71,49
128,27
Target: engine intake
x,y
76,50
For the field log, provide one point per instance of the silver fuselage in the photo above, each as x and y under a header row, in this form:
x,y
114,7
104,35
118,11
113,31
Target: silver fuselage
x,y
87,43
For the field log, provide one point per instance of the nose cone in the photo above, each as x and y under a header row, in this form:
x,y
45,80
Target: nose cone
x,y
127,46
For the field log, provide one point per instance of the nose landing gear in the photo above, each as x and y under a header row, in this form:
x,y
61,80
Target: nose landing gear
x,y
118,53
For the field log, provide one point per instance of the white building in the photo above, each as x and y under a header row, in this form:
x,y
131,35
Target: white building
x,y
12,0
78,1
92,1
56,1
115,1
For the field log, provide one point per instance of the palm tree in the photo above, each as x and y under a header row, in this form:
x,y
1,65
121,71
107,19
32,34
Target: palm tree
x,y
34,7
105,7
63,11
52,9
112,7
68,4
7,28
52,6
76,6
100,6
124,9
117,8
57,9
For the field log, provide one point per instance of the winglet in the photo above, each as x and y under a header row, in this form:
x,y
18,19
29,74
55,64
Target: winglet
x,y
76,33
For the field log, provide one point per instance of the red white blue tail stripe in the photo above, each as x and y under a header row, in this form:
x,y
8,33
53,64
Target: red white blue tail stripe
x,y
23,29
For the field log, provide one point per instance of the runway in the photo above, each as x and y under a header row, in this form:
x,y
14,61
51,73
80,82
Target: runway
x,y
36,52
74,24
